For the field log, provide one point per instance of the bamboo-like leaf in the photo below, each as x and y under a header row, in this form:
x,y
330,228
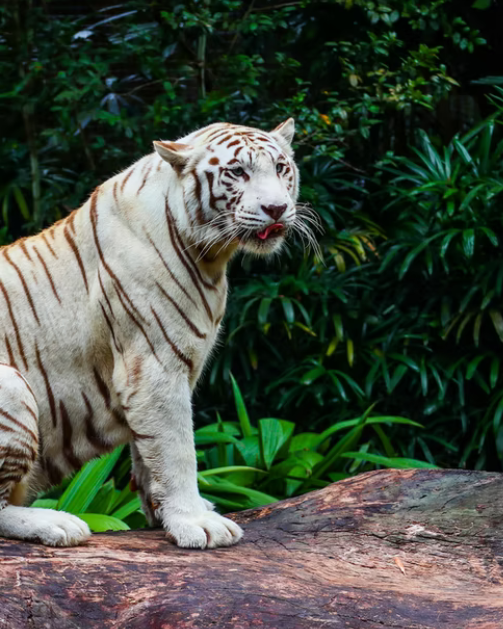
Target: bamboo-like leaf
x,y
350,351
468,240
338,385
21,203
209,438
497,320
45,503
244,420
288,309
463,324
99,523
86,484
493,239
312,375
230,469
392,462
274,433
339,329
476,328
472,366
494,373
263,310
424,377
127,509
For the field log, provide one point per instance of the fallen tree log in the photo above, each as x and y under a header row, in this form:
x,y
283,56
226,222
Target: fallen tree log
x,y
418,549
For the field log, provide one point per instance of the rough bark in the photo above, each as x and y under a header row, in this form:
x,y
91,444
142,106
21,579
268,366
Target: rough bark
x,y
408,549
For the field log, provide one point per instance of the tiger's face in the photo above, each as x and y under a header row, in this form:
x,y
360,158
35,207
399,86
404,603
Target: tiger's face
x,y
240,185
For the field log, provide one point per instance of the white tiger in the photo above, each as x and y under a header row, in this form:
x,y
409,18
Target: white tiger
x,y
109,315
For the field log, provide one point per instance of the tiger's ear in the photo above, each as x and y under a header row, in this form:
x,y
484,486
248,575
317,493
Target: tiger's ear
x,y
284,132
177,155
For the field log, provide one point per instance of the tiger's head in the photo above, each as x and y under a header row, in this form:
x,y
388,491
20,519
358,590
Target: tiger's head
x,y
240,185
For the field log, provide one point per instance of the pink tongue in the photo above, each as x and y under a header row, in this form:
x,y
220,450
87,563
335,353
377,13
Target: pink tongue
x,y
270,228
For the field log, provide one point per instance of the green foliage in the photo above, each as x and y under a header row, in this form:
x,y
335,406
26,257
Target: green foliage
x,y
96,500
249,465
400,155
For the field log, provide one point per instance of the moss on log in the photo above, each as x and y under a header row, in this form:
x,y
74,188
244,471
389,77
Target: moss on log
x,y
401,549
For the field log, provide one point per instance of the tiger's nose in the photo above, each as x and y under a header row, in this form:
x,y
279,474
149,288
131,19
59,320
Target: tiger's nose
x,y
274,211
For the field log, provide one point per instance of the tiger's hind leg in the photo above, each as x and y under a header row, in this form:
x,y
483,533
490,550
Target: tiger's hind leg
x,y
18,460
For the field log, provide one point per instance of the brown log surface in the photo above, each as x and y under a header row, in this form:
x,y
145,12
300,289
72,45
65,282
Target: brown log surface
x,y
408,549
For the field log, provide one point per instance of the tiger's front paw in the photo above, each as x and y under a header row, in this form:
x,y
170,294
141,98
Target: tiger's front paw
x,y
206,529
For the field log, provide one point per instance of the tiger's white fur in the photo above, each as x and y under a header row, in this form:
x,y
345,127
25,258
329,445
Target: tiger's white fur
x,y
109,315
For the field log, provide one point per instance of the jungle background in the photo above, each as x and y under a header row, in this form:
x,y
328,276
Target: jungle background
x,y
386,348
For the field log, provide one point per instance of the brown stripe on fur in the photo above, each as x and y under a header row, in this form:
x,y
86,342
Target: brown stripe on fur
x,y
237,151
159,165
94,222
105,295
137,436
23,282
199,191
70,219
217,133
25,382
12,361
14,323
138,325
233,143
31,411
25,446
109,324
192,327
13,454
19,424
186,258
76,252
50,394
54,474
227,137
213,199
102,387
91,434
21,242
173,235
144,179
44,238
124,181
119,417
68,450
173,277
178,352
6,428
47,272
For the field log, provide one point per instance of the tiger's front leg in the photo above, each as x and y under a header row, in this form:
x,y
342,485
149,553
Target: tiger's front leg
x,y
140,482
160,415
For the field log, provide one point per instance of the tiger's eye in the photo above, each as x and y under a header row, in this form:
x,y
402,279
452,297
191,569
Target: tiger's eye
x,y
238,171
279,168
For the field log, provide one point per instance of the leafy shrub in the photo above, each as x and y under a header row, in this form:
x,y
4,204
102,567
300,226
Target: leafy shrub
x,y
96,500
242,464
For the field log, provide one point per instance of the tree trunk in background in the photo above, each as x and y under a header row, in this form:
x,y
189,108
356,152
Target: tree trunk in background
x,y
407,549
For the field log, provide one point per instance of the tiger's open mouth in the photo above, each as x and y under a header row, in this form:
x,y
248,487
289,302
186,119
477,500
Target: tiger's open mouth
x,y
271,231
